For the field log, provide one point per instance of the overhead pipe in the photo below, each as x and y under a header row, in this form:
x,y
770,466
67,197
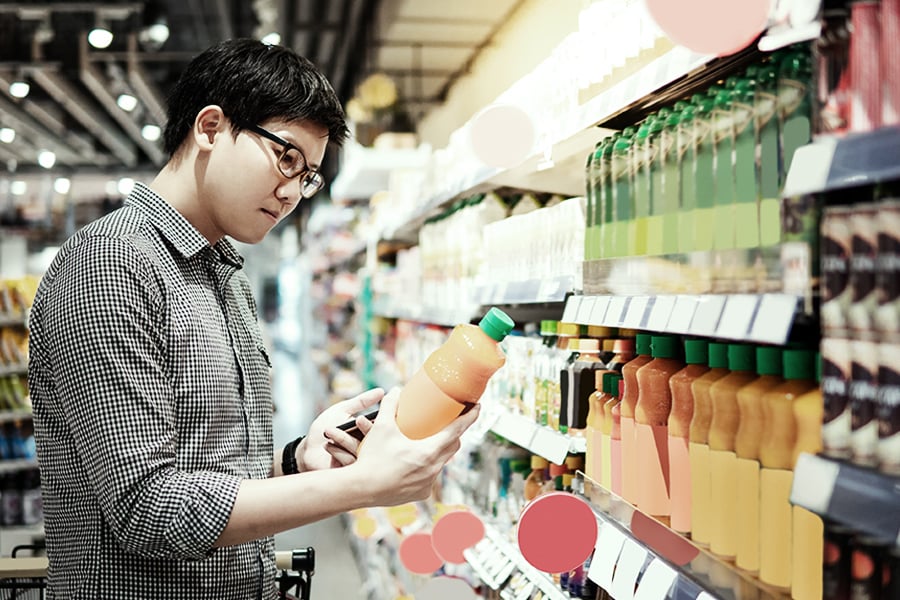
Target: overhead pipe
x,y
29,128
343,54
143,85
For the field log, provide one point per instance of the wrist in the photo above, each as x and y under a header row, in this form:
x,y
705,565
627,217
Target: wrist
x,y
289,463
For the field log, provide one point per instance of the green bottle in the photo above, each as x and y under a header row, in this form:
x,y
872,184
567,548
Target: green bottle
x,y
641,167
687,152
655,225
623,199
704,174
767,143
671,192
746,186
723,137
590,199
595,182
794,105
607,199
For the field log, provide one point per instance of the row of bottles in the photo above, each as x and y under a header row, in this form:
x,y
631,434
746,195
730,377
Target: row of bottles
x,y
706,173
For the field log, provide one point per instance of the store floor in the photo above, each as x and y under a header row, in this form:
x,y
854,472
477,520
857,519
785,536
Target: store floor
x,y
336,574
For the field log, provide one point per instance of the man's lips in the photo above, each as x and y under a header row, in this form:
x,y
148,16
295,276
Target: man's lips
x,y
272,214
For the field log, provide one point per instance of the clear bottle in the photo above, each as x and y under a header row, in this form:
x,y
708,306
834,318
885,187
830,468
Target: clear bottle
x,y
538,477
687,147
704,174
630,475
453,376
622,175
655,169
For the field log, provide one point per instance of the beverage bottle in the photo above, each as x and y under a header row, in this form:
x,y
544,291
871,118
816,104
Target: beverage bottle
x,y
640,155
687,148
583,369
607,351
696,356
722,459
654,172
699,445
453,376
776,476
607,401
809,529
723,144
746,186
630,473
536,480
566,343
623,351
704,174
746,447
592,455
767,148
590,178
567,383
794,105
666,203
651,418
621,173
607,199
615,438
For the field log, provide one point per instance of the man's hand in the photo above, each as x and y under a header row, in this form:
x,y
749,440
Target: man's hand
x,y
326,446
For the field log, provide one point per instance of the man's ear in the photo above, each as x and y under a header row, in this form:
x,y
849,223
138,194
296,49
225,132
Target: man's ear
x,y
209,123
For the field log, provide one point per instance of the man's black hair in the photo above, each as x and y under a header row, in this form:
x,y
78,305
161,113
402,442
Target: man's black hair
x,y
252,82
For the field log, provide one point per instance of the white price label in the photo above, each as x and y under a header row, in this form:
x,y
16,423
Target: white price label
x,y
634,318
682,314
628,568
662,310
606,553
774,318
584,310
550,444
571,309
616,311
598,314
737,317
656,582
707,314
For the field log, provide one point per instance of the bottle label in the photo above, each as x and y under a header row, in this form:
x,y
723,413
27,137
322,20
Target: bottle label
x,y
837,240
862,267
863,391
888,411
887,268
835,381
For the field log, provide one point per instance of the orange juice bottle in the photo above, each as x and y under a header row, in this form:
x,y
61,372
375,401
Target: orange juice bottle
x,y
615,435
623,351
608,400
453,376
699,445
696,356
536,480
651,425
722,460
746,447
630,473
809,530
592,455
776,456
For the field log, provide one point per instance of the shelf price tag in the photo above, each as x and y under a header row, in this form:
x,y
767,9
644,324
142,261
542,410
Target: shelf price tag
x,y
571,309
606,553
737,316
550,444
628,567
636,309
656,581
774,318
598,314
615,314
584,310
707,314
518,430
682,314
662,310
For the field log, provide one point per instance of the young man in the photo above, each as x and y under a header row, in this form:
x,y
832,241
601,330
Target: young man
x,y
149,378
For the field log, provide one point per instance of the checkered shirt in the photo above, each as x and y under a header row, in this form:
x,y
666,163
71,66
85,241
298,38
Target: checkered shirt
x,y
151,394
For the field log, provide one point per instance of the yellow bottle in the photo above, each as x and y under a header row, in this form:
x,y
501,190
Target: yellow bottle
x,y
809,530
592,455
776,456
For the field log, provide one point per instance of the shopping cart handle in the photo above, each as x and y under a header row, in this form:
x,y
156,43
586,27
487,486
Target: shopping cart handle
x,y
301,559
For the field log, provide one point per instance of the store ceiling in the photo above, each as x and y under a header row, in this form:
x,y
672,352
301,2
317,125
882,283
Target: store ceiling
x,y
71,110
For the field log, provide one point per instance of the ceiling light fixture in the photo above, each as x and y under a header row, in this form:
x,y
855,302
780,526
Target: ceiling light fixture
x,y
158,32
127,102
125,185
18,187
19,89
100,37
46,159
7,135
62,185
272,39
151,132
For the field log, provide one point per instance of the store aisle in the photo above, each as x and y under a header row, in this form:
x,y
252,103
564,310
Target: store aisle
x,y
336,575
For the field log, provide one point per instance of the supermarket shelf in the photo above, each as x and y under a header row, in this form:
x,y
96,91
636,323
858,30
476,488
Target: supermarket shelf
x,y
495,559
634,549
861,498
435,316
837,163
17,464
764,318
13,320
365,171
9,416
7,370
526,292
537,439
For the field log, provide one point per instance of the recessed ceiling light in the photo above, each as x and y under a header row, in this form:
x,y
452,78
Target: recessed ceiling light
x,y
125,185
158,32
151,132
7,135
18,188
46,159
62,185
100,37
127,102
19,89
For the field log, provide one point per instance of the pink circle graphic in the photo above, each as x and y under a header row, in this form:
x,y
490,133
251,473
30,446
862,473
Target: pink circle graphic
x,y
557,532
446,588
502,135
454,532
418,555
719,27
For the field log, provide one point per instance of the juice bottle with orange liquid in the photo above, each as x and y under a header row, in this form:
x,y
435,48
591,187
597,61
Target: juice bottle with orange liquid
x,y
607,401
615,434
746,447
592,455
699,445
696,357
776,456
453,376
809,531
651,418
630,474
722,459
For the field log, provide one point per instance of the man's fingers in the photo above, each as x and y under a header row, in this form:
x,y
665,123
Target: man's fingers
x,y
363,401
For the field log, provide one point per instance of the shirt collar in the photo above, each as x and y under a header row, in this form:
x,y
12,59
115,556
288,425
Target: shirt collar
x,y
183,236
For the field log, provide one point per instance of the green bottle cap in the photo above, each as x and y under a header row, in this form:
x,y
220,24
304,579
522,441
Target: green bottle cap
x,y
731,82
614,384
798,364
598,149
644,130
768,360
741,357
609,146
673,120
607,382
723,99
703,107
680,106
629,131
643,341
687,113
623,144
713,91
496,324
696,352
664,346
718,355
657,124
818,360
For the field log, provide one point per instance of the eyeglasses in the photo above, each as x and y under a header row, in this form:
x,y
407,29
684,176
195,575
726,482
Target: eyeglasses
x,y
291,163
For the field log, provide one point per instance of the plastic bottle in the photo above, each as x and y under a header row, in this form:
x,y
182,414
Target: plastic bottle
x,y
583,369
641,156
615,439
591,233
565,344
623,351
687,148
722,459
696,357
592,433
536,480
651,417
776,476
630,475
567,384
654,170
723,139
746,447
607,199
609,399
765,113
453,376
704,175
746,185
699,446
794,105
624,238
669,197
809,529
